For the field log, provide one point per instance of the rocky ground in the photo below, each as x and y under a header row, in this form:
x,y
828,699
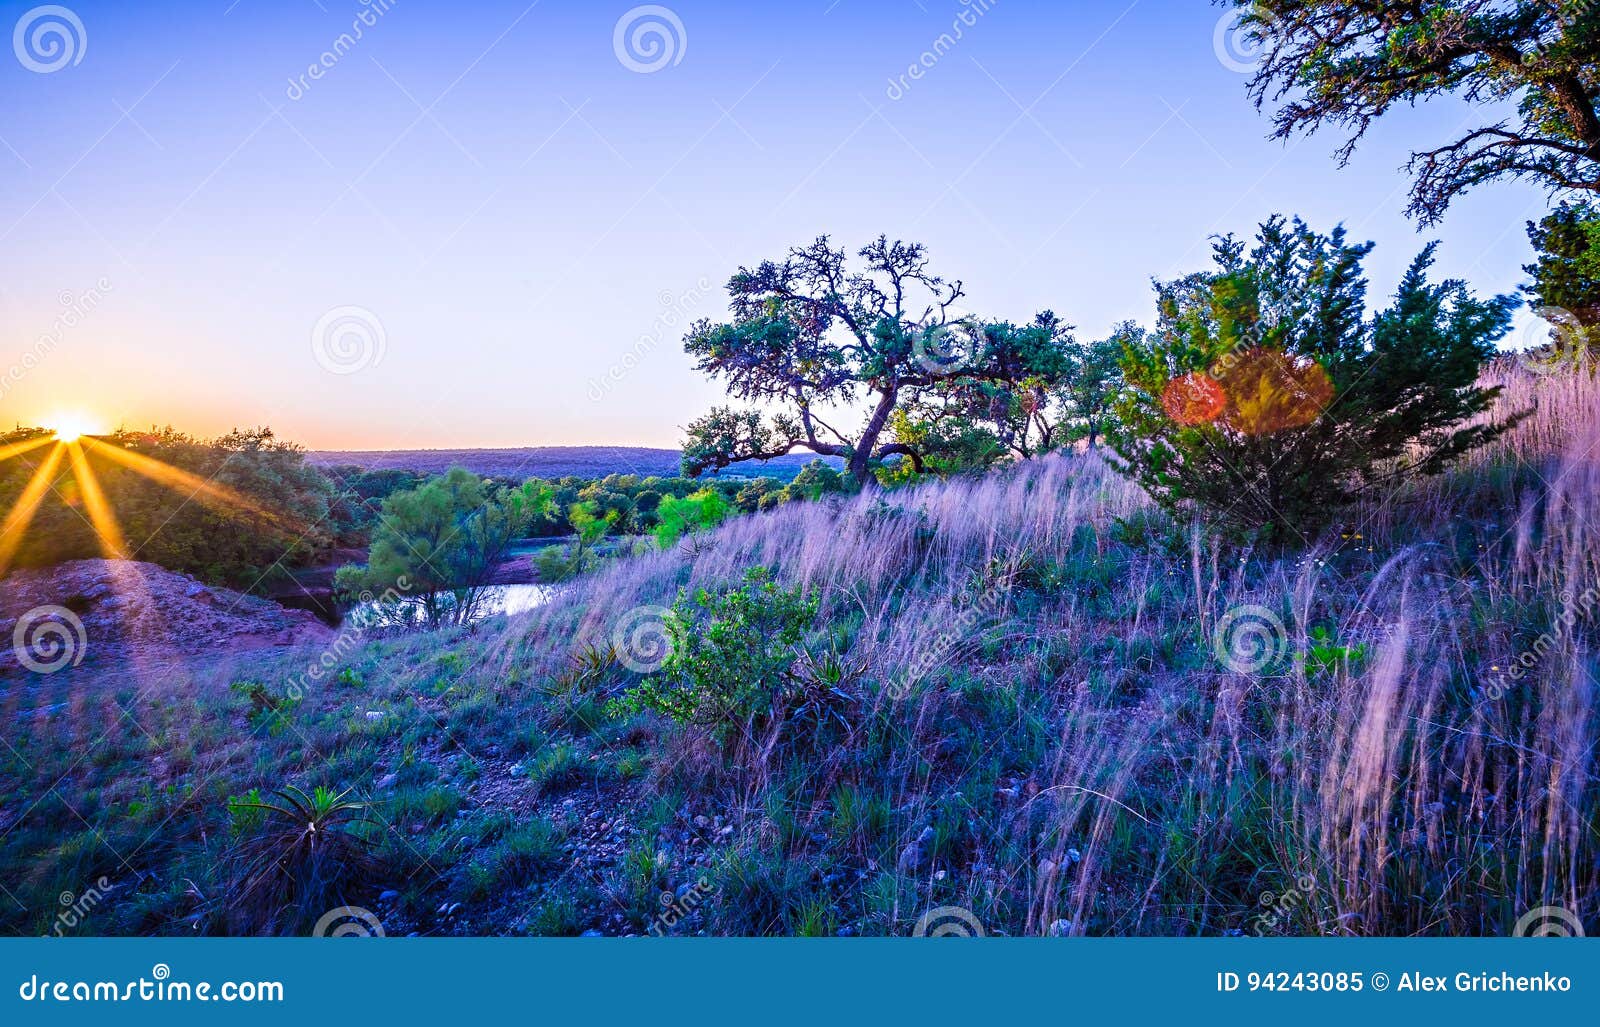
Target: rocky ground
x,y
119,612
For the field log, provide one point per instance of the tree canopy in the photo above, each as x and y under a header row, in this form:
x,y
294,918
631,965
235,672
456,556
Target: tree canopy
x,y
436,546
1346,63
1267,397
814,337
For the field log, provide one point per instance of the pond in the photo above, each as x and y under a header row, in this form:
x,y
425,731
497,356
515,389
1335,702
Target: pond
x,y
496,599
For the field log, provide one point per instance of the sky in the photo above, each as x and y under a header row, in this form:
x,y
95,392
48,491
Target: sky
x,y
488,224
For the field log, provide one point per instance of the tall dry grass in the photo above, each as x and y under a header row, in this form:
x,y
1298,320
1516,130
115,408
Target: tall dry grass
x,y
1051,727
1086,760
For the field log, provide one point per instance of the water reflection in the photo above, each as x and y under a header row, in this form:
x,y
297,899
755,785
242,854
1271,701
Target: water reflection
x,y
496,599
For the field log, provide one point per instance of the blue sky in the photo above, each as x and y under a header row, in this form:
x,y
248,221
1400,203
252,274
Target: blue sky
x,y
527,223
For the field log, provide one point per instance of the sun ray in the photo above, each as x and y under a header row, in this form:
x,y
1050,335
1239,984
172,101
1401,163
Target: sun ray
x,y
21,515
26,445
104,522
207,492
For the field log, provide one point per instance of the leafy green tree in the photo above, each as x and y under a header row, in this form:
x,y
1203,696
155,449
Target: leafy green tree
x,y
1090,385
437,546
1054,390
759,494
1016,404
1566,278
1265,396
944,431
589,526
1348,62
813,337
646,503
815,480
700,511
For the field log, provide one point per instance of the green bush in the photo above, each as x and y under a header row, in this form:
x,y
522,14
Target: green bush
x,y
700,511
1267,398
734,657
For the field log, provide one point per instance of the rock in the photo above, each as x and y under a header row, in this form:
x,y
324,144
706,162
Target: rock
x,y
374,714
389,896
591,933
1060,928
913,855
388,780
132,610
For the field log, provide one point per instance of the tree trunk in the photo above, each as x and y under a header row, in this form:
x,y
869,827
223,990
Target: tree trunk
x,y
861,459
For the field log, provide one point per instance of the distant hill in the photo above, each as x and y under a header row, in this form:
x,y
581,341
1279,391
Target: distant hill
x,y
553,462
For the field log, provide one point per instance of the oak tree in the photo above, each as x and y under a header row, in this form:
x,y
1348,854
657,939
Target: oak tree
x,y
1346,63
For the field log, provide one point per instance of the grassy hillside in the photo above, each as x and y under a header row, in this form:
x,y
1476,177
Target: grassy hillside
x,y
1051,706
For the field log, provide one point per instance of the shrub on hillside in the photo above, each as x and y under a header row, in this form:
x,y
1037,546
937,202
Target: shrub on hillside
x,y
733,661
1267,397
701,511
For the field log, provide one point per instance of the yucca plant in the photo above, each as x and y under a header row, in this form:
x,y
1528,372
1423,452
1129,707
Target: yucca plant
x,y
303,855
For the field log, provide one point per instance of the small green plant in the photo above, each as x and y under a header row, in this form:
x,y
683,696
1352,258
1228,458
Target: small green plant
x,y
349,677
1324,654
266,708
587,669
245,811
299,855
559,766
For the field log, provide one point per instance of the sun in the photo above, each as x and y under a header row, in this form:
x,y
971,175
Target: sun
x,y
70,427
